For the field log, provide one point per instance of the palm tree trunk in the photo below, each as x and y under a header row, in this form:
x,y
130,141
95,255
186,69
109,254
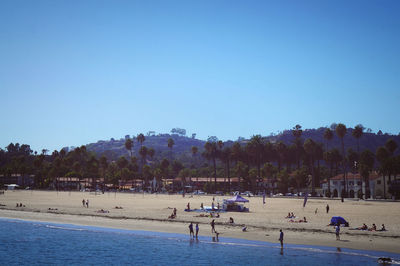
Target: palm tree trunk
x,y
215,174
329,180
384,187
229,177
344,171
313,177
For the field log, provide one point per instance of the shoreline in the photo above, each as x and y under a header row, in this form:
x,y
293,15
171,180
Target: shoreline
x,y
158,226
150,212
205,239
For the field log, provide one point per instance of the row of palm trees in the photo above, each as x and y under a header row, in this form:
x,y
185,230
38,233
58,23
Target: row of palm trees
x,y
299,163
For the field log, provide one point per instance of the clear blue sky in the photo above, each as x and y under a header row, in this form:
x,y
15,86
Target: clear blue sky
x,y
74,72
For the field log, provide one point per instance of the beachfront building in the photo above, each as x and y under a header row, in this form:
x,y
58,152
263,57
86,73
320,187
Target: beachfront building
x,y
269,185
18,179
202,182
76,183
378,185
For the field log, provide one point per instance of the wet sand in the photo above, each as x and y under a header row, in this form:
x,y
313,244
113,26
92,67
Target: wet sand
x,y
150,212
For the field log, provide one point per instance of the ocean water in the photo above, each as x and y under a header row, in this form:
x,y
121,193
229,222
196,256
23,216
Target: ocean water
x,y
39,243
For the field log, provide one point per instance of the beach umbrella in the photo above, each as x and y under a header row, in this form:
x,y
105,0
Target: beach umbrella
x,y
237,198
338,220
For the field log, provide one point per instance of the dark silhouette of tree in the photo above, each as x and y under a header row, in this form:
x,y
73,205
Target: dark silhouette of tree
x,y
129,145
256,151
357,133
310,149
151,153
297,132
170,145
211,153
341,132
140,138
143,153
386,165
281,150
226,156
391,146
194,150
104,165
328,136
366,165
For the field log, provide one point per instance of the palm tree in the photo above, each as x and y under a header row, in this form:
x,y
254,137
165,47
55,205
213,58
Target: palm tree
x,y
391,146
328,157
151,153
281,150
143,153
194,154
211,153
170,144
103,164
225,156
297,132
328,136
310,149
366,164
256,150
341,132
357,133
383,155
140,138
129,145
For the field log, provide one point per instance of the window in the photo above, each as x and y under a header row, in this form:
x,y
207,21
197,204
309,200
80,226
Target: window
x,y
342,183
378,182
351,183
359,183
335,182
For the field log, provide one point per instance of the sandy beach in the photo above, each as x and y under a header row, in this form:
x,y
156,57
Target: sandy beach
x,y
151,211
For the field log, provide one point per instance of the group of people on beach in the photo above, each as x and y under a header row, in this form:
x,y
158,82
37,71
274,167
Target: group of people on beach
x,y
85,203
290,215
191,231
20,205
364,227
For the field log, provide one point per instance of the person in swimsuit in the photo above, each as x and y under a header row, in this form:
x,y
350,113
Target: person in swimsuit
x,y
191,230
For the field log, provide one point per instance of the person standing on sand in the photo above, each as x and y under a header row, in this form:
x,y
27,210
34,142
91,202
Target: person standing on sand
x,y
87,203
191,230
327,208
197,229
281,237
337,229
83,202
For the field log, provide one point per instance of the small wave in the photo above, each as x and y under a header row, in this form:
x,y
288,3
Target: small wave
x,y
346,252
65,228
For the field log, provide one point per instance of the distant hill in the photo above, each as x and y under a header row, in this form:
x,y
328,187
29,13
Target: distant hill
x,y
113,149
181,150
369,141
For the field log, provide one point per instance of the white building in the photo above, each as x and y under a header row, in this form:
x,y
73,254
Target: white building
x,y
355,185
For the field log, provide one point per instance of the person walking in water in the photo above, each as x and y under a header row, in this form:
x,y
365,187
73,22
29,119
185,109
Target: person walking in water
x,y
337,229
191,230
197,229
213,226
281,238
